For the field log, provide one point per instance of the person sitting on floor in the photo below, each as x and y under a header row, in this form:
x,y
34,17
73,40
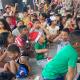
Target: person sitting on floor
x,y
62,39
40,45
18,64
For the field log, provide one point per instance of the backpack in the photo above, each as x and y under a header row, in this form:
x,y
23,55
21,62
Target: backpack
x,y
22,71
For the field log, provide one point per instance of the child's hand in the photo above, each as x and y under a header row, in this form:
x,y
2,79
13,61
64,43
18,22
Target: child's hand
x,y
46,50
3,56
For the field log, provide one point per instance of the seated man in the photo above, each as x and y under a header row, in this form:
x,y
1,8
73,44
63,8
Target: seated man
x,y
63,64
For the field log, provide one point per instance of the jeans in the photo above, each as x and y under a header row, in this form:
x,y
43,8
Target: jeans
x,y
60,78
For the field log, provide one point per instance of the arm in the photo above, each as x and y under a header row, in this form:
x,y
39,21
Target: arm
x,y
24,61
57,38
70,74
41,51
3,56
72,63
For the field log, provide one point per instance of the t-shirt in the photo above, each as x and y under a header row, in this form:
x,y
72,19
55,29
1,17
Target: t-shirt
x,y
58,66
15,32
53,31
26,20
19,41
62,44
40,56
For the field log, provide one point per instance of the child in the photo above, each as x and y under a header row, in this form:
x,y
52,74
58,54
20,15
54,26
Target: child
x,y
7,10
23,33
4,26
16,32
16,62
11,21
23,41
6,38
26,17
62,39
40,48
36,27
53,30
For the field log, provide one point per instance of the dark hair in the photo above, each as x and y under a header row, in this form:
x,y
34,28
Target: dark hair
x,y
25,9
44,15
6,25
20,28
69,16
13,48
66,30
74,36
35,20
35,15
20,21
6,75
7,17
3,38
58,15
62,17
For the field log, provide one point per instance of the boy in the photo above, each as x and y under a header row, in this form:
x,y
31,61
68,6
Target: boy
x,y
36,27
26,17
62,39
64,63
20,41
13,53
23,41
16,32
40,47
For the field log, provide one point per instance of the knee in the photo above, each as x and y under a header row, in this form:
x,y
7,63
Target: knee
x,y
12,63
6,65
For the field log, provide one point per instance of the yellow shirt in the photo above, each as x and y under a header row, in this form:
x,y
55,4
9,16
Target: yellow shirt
x,y
2,30
26,20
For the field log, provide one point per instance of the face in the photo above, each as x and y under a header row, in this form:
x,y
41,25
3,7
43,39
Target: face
x,y
10,39
25,14
11,55
64,36
54,22
8,10
25,31
41,17
64,20
20,24
37,24
77,47
58,18
42,39
1,25
8,20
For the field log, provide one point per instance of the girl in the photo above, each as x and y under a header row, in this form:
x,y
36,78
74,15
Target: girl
x,y
6,38
4,26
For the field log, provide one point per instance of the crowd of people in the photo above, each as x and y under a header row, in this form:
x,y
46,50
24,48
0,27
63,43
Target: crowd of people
x,y
29,34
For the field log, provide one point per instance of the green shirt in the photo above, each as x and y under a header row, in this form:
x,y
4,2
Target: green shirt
x,y
58,66
40,56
